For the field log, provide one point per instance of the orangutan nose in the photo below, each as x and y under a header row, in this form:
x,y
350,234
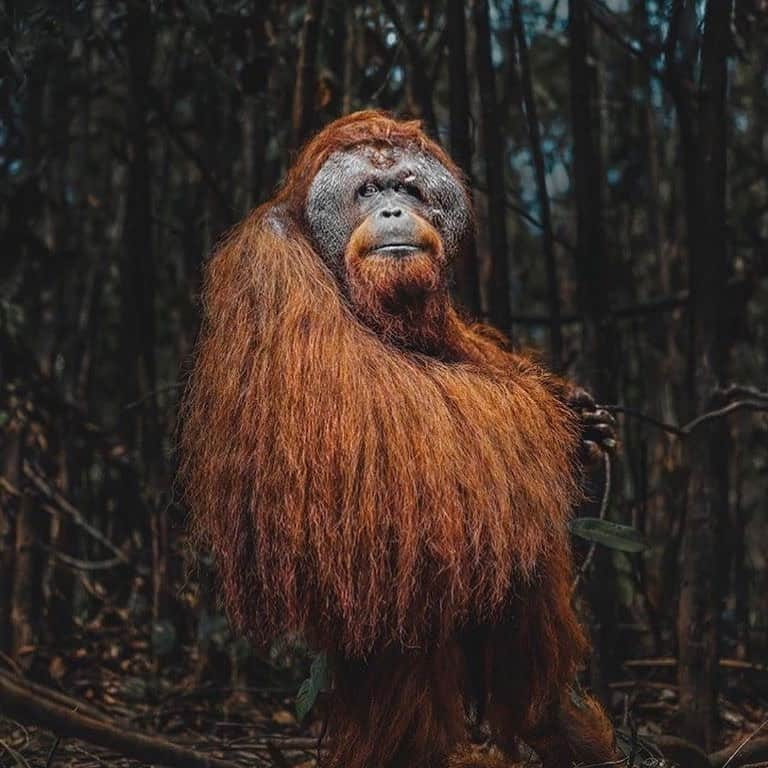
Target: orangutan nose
x,y
388,212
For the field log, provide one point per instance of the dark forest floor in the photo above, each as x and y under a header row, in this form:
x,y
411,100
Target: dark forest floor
x,y
111,668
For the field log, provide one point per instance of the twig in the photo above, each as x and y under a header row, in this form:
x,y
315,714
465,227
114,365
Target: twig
x,y
739,390
739,405
11,663
677,300
640,416
605,19
151,395
606,497
666,661
9,487
61,503
745,742
531,219
686,429
52,752
55,696
290,743
385,81
76,564
654,685
745,666
669,661
17,757
620,761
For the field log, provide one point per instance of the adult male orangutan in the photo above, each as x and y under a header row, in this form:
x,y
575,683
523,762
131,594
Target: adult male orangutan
x,y
383,476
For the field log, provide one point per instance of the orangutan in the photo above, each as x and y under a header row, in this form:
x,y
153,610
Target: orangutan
x,y
381,475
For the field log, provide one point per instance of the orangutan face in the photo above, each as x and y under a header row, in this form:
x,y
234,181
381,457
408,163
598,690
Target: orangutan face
x,y
387,220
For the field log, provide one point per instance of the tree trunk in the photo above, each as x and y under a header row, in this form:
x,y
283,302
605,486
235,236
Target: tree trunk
x,y
254,108
495,163
348,86
138,295
740,582
595,278
418,85
32,527
63,539
303,112
11,475
698,627
338,32
548,242
466,272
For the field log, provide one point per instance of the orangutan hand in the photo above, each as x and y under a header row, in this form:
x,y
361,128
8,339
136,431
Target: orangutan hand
x,y
598,427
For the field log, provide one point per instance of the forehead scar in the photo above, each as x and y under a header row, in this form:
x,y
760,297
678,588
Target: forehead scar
x,y
382,157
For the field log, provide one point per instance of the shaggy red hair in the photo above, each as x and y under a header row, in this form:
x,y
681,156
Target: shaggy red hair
x,y
373,498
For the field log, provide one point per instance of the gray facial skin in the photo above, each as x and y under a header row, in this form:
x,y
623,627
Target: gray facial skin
x,y
367,180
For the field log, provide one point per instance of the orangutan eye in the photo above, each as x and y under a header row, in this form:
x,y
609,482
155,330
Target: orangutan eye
x,y
409,189
369,189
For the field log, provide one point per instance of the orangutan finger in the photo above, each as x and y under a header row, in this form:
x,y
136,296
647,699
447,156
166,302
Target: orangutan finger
x,y
580,398
592,451
599,416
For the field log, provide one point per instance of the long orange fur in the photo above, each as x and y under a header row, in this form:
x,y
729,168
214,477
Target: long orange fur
x,y
379,500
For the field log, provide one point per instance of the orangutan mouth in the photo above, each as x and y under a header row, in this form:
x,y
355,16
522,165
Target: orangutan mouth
x,y
396,250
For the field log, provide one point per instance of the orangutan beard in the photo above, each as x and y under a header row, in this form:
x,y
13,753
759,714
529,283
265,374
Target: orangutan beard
x,y
402,298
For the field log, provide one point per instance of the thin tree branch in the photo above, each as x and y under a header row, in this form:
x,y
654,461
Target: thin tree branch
x,y
759,748
39,482
605,19
739,390
686,429
739,405
604,500
663,303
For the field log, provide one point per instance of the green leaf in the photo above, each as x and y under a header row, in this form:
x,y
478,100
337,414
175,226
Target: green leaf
x,y
318,680
613,535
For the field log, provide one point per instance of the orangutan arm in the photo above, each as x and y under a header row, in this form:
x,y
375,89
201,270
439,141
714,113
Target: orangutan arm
x,y
598,427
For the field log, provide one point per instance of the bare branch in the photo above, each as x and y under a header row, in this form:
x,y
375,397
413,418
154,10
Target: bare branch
x,y
686,429
606,497
40,484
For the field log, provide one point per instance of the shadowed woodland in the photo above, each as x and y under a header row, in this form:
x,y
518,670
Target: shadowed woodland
x,y
617,154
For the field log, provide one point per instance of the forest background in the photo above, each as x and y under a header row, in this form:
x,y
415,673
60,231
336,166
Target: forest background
x,y
618,157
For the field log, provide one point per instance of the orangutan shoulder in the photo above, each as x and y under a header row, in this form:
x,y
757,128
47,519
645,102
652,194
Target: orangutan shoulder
x,y
276,218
